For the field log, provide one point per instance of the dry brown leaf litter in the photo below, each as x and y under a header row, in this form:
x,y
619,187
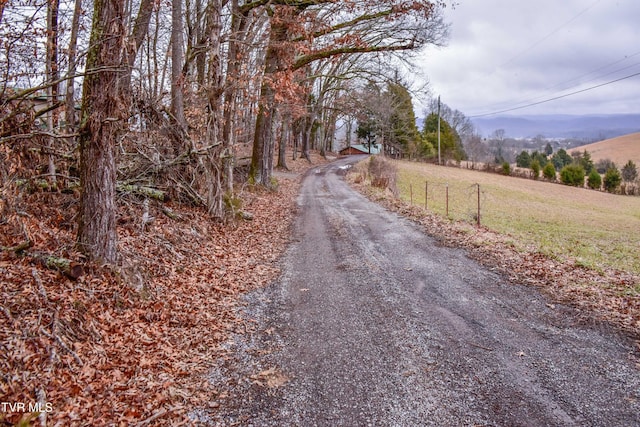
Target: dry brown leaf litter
x,y
130,345
133,346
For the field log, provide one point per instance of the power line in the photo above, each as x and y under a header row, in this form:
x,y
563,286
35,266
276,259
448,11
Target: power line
x,y
556,97
626,57
547,36
538,42
596,78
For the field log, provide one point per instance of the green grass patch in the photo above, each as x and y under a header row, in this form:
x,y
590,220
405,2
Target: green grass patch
x,y
598,230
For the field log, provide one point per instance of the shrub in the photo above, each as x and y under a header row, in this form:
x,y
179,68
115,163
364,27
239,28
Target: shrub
x,y
612,180
604,165
572,175
594,181
535,169
506,168
383,173
549,172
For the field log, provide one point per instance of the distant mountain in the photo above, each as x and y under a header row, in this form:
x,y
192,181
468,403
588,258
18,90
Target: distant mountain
x,y
588,127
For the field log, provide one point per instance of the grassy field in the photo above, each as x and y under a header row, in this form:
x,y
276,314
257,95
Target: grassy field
x,y
598,230
620,149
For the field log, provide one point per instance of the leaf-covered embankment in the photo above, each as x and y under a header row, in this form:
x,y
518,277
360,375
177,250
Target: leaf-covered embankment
x,y
120,346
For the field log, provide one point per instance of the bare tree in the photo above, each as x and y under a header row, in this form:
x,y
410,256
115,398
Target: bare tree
x,y
53,82
70,113
214,179
177,76
333,30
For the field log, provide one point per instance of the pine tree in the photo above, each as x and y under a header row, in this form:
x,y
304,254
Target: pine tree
x,y
629,172
450,145
403,130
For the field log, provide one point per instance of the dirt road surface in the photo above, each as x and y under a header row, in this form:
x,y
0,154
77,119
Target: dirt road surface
x,y
374,323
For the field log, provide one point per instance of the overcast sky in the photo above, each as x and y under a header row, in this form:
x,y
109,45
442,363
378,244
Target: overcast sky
x,y
507,53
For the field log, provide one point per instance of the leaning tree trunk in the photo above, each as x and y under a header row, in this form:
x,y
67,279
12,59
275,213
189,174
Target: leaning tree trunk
x,y
102,110
134,43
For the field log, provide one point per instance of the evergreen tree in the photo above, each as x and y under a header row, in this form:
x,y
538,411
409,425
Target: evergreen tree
x,y
450,144
561,159
572,174
403,130
584,159
367,130
549,172
540,158
629,172
594,181
523,160
535,169
612,180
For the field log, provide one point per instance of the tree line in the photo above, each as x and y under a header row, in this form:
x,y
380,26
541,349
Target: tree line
x,y
387,118
578,169
163,96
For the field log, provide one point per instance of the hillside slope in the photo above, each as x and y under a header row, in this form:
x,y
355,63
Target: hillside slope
x,y
133,344
620,149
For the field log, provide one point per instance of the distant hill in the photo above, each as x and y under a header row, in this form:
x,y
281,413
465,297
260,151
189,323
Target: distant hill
x,y
620,149
589,127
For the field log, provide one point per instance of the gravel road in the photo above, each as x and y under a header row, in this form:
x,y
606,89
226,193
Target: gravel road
x,y
374,323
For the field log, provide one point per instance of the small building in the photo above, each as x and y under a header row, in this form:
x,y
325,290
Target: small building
x,y
360,149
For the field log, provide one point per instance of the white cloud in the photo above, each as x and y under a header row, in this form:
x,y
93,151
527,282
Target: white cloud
x,y
502,53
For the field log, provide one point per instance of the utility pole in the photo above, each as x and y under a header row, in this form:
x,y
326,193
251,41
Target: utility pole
x,y
439,161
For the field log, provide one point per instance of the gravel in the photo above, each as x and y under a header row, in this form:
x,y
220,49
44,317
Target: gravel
x,y
374,323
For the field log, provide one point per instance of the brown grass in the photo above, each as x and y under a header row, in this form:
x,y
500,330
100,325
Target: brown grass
x,y
620,149
594,228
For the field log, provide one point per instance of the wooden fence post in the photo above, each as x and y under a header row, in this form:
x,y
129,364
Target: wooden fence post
x,y
478,205
426,194
447,197
411,193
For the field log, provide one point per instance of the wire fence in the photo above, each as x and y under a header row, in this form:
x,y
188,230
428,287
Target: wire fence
x,y
453,201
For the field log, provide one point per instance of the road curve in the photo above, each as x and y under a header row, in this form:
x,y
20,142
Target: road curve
x,y
374,323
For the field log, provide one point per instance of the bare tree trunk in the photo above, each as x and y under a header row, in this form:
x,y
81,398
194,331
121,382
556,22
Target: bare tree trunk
x,y
238,27
201,57
330,134
306,139
177,76
263,142
282,146
54,76
70,110
153,44
297,134
102,118
140,30
215,159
